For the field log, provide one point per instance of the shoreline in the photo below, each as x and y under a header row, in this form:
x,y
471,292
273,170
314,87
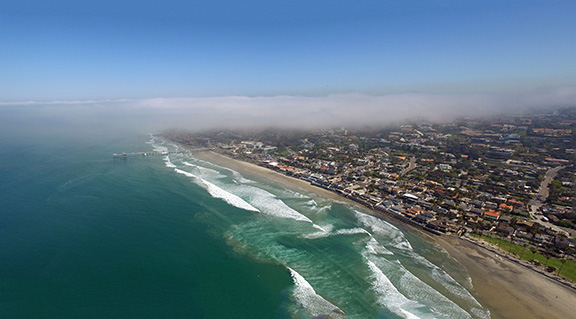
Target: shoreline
x,y
509,290
296,183
319,190
235,164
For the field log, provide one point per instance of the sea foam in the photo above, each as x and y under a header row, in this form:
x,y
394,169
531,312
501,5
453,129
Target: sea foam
x,y
218,192
204,171
241,179
327,233
269,204
443,278
390,297
412,286
384,229
312,303
257,198
373,247
160,148
168,162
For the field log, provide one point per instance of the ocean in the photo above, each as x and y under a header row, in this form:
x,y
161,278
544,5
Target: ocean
x,y
85,236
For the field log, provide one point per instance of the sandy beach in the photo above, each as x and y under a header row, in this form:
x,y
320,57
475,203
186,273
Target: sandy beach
x,y
507,289
249,168
510,290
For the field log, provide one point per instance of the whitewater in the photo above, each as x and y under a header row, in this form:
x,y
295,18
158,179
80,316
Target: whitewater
x,y
344,262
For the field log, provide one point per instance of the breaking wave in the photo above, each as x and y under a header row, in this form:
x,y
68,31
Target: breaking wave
x,y
218,192
312,303
269,204
326,233
385,230
168,162
204,172
390,297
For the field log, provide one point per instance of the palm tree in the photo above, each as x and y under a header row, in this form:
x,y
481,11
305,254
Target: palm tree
x,y
534,229
547,256
523,248
560,269
533,250
510,247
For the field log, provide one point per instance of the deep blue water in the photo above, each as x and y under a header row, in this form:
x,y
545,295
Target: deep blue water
x,y
84,236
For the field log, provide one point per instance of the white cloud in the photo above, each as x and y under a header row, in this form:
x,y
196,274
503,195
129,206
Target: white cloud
x,y
349,109
300,111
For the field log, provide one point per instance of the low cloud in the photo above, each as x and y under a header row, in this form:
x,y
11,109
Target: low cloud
x,y
292,111
347,109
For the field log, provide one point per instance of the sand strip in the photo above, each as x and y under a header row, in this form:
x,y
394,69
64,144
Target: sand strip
x,y
249,168
508,289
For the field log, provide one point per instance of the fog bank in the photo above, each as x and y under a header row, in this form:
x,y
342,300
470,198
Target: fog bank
x,y
344,110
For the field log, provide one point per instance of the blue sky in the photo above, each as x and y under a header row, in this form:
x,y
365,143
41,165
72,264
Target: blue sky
x,y
81,49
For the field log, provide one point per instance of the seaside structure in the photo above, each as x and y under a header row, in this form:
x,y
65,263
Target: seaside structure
x,y
125,156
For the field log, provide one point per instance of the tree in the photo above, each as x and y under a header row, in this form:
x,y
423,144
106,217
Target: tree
x,y
533,250
563,261
510,247
513,222
500,241
523,248
534,229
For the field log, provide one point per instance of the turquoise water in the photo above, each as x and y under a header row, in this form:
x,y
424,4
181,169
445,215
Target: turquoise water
x,y
84,236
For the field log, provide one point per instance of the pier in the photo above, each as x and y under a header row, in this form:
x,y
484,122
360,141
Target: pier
x,y
125,156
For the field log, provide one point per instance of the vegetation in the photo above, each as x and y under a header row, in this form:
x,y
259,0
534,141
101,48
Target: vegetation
x,y
566,267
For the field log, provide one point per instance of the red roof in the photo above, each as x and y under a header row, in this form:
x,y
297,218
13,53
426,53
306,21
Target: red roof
x,y
491,213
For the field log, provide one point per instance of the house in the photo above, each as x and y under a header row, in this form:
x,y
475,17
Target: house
x,y
424,217
269,149
491,205
556,161
524,223
439,226
505,229
477,203
448,203
505,208
425,204
521,212
476,211
492,214
444,167
463,207
439,209
410,197
413,212
515,203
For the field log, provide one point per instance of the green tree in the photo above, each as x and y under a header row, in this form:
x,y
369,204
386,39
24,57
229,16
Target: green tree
x,y
523,249
533,250
563,261
547,256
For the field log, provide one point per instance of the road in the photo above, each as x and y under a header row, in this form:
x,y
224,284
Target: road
x,y
543,192
411,166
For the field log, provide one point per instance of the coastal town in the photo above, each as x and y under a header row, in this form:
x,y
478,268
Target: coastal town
x,y
508,180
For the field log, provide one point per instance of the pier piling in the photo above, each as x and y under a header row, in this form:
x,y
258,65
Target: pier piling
x,y
125,156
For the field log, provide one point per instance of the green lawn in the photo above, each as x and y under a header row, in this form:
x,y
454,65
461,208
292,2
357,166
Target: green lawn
x,y
568,271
